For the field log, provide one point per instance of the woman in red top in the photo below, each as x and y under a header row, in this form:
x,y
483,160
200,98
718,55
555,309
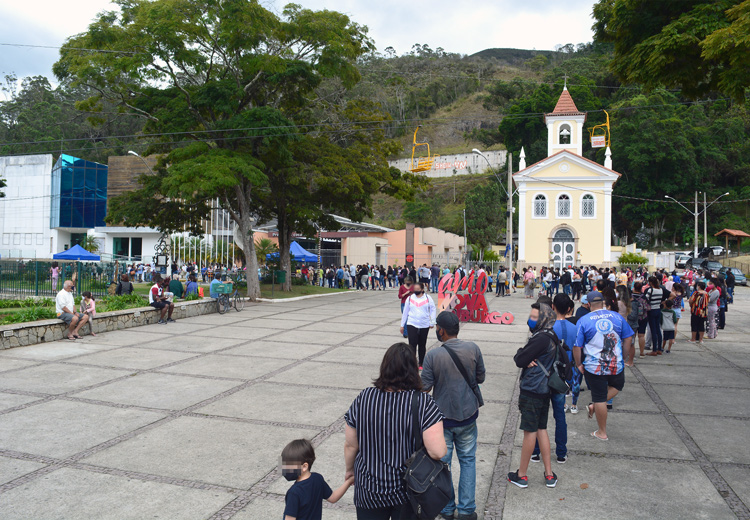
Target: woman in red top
x,y
404,291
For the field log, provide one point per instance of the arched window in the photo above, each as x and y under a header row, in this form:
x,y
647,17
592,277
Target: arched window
x,y
588,206
564,135
540,206
563,206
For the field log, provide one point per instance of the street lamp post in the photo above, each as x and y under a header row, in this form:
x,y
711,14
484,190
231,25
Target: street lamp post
x,y
705,216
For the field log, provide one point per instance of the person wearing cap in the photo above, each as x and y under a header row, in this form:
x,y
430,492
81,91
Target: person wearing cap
x,y
607,341
584,309
459,401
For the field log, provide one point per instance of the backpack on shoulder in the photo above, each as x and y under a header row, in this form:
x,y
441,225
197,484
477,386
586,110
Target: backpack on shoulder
x,y
562,369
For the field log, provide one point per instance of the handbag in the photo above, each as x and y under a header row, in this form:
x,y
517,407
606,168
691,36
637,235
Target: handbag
x,y
461,368
428,481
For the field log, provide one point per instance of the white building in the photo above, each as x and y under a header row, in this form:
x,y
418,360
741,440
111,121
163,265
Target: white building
x,y
462,164
25,213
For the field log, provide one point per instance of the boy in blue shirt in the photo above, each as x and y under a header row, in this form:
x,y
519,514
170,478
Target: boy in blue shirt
x,y
304,500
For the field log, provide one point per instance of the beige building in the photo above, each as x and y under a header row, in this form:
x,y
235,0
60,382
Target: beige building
x,y
565,200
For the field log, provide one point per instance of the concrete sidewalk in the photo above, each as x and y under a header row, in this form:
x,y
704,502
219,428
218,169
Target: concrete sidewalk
x,y
188,420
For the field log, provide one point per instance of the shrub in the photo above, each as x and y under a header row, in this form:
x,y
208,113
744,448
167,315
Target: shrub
x,y
632,258
192,296
30,314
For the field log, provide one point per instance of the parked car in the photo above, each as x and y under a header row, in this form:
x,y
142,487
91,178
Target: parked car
x,y
711,265
682,261
739,276
719,250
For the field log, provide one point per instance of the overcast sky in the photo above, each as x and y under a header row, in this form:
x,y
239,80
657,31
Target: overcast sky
x,y
466,26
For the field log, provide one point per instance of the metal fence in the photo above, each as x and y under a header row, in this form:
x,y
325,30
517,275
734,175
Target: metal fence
x,y
744,267
25,278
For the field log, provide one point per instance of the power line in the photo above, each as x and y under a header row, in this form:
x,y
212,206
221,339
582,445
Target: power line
x,y
58,47
349,124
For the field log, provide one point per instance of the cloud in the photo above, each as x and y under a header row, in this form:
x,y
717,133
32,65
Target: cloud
x,y
465,27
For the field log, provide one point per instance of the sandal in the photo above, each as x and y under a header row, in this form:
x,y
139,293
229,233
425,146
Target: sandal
x,y
76,336
594,435
590,409
71,338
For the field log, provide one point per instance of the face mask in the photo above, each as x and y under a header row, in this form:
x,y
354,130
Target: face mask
x,y
532,324
437,333
291,474
419,293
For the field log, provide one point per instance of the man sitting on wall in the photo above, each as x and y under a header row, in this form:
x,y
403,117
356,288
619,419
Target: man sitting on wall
x,y
64,306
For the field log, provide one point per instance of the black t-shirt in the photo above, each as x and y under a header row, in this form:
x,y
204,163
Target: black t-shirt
x,y
304,500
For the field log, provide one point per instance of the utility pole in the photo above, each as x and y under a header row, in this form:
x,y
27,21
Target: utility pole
x,y
509,239
696,225
466,258
705,223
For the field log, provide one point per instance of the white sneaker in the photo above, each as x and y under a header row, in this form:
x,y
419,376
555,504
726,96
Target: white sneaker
x,y
565,408
574,409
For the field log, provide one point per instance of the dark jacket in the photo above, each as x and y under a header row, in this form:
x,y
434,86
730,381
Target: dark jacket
x,y
540,348
451,393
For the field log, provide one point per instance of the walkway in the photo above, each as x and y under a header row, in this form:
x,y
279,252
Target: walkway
x,y
188,420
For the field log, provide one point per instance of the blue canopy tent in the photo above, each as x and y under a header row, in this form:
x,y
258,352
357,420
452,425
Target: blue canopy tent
x,y
77,253
299,254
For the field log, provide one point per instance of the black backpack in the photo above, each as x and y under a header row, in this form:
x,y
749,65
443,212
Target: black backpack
x,y
428,481
562,365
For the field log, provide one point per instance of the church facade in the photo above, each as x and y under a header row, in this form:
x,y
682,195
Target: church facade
x,y
565,200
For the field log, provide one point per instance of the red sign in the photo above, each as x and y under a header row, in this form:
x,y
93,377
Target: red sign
x,y
409,258
470,306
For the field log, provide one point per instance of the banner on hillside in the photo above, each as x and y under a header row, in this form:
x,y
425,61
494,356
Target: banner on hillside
x,y
470,305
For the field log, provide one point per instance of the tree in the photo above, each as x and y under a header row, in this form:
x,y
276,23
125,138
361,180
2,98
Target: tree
x,y
221,75
698,46
484,215
263,247
90,244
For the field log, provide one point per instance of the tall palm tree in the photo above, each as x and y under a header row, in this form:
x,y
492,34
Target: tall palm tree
x,y
90,244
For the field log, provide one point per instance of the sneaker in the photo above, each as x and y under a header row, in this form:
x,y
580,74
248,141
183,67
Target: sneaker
x,y
551,480
574,409
420,368
522,482
161,322
170,320
609,407
446,517
565,408
562,460
648,348
472,516
536,458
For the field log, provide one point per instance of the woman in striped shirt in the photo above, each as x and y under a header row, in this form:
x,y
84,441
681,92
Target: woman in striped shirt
x,y
655,295
380,438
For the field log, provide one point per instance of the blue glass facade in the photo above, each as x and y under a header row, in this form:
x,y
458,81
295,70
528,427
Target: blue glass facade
x,y
79,193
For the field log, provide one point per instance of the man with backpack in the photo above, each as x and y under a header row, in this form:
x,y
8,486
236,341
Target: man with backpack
x,y
566,333
537,360
607,340
453,373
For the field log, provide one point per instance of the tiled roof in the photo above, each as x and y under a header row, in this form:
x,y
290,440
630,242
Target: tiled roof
x,y
566,105
732,233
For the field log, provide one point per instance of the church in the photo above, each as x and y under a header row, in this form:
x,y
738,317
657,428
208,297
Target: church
x,y
565,200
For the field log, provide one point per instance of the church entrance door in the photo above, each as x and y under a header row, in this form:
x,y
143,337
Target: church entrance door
x,y
563,249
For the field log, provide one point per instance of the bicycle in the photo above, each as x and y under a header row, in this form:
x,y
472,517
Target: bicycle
x,y
227,300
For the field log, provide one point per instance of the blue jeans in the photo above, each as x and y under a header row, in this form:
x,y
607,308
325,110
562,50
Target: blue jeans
x,y
654,323
561,427
406,334
434,284
465,440
554,286
568,289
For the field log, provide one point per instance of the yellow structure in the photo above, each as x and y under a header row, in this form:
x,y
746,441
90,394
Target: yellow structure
x,y
421,164
565,200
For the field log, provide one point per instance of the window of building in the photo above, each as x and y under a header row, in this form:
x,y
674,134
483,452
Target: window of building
x,y
588,206
563,206
540,206
564,136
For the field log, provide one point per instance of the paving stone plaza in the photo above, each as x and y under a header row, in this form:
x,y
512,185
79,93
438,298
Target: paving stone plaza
x,y
188,420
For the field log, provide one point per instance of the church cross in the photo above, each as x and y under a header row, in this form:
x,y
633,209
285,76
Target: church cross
x,y
566,80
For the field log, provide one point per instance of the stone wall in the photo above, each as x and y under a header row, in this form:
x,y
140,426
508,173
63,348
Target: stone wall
x,y
30,333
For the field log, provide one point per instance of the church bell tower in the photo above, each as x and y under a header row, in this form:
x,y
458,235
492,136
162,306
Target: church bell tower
x,y
565,126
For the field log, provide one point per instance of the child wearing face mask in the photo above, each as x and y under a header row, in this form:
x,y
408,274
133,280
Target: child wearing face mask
x,y
304,500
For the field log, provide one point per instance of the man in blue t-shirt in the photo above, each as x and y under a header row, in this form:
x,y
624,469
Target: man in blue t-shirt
x,y
607,342
566,332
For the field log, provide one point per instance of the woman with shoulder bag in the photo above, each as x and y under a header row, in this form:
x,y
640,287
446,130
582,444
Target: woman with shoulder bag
x,y
380,436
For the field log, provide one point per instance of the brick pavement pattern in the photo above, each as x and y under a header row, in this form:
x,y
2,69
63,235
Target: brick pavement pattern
x,y
188,420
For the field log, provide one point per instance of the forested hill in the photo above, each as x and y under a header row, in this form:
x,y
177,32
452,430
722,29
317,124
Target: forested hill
x,y
663,143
